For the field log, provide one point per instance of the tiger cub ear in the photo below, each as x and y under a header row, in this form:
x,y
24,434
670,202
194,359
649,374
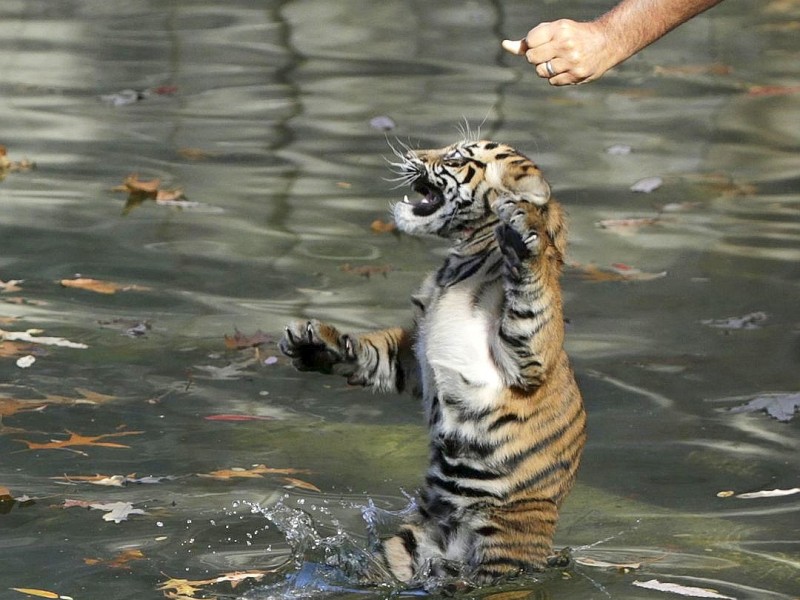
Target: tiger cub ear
x,y
519,177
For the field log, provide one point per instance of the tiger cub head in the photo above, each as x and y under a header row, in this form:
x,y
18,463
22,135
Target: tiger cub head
x,y
456,186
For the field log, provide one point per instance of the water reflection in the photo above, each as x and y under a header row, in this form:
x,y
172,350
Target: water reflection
x,y
268,132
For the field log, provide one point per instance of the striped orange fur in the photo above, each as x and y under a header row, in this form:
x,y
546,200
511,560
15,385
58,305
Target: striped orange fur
x,y
485,355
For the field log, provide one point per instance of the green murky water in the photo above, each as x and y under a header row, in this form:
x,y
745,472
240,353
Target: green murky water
x,y
261,113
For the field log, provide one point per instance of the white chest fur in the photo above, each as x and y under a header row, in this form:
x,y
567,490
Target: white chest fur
x,y
454,344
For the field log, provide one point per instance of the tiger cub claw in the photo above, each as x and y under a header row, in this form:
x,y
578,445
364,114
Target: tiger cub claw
x,y
316,346
517,234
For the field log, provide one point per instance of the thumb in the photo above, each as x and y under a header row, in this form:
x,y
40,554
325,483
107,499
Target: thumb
x,y
518,47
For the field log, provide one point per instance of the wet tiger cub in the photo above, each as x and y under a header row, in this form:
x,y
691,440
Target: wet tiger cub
x,y
506,419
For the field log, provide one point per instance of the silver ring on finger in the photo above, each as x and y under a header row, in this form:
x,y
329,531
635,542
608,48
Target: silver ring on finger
x,y
548,66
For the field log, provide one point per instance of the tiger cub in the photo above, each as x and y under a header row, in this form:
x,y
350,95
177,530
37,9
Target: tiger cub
x,y
485,354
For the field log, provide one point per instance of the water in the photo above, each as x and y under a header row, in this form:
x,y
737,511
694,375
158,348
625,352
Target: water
x,y
261,114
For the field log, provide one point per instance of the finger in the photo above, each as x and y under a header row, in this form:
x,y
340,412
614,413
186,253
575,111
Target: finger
x,y
518,47
539,35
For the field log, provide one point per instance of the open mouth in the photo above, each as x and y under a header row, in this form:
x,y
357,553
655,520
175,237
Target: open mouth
x,y
431,198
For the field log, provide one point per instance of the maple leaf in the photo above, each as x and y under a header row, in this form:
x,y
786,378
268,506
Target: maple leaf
x,y
99,286
76,439
256,471
186,588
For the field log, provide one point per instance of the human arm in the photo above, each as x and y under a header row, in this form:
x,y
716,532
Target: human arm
x,y
579,52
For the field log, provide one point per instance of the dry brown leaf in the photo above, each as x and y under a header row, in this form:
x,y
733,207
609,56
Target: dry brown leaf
x,y
617,272
256,471
291,482
626,226
120,561
708,69
773,90
133,184
378,226
239,341
10,406
99,286
11,349
195,153
76,439
10,286
186,588
9,166
38,593
367,270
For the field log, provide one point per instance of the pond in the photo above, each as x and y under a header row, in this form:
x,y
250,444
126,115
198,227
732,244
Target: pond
x,y
150,432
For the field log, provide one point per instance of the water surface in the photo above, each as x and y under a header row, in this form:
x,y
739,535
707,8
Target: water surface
x,y
261,114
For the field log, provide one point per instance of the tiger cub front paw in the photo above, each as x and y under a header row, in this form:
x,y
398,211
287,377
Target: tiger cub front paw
x,y
519,233
316,346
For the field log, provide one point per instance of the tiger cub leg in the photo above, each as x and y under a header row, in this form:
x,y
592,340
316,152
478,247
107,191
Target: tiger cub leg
x,y
409,553
515,538
380,359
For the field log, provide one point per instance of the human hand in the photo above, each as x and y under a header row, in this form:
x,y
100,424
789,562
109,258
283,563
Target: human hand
x,y
567,52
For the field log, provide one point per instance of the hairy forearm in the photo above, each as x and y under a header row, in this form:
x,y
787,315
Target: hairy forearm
x,y
634,24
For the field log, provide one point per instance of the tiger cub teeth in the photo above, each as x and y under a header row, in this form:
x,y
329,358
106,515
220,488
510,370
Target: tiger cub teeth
x,y
405,199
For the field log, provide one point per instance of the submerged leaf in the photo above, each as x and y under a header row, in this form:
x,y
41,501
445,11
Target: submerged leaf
x,y
37,593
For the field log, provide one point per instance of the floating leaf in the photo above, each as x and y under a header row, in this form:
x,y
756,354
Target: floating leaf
x,y
378,226
229,372
32,335
239,341
768,493
115,511
26,361
382,123
11,406
180,588
256,472
100,287
39,593
76,439
292,482
120,561
602,564
778,406
708,69
9,166
139,191
627,226
773,90
195,153
236,418
367,270
647,185
619,150
617,272
10,286
752,320
695,592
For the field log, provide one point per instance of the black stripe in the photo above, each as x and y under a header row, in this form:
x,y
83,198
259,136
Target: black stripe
x,y
458,489
513,340
409,541
462,471
504,420
471,172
